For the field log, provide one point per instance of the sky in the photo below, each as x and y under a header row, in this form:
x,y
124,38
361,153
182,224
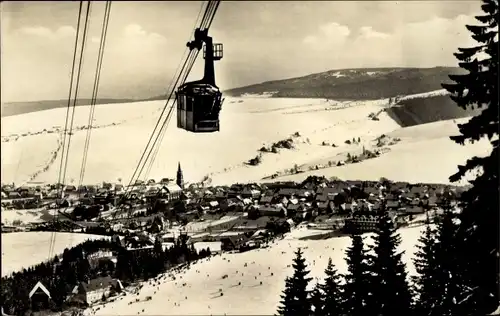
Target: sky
x,y
263,40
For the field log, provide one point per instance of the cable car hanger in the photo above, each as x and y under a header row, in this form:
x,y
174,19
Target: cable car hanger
x,y
199,102
207,106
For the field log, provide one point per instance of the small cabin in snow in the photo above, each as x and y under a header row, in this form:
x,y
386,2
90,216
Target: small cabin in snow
x,y
40,297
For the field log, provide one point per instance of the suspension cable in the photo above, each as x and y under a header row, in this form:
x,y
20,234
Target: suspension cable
x,y
209,19
171,87
77,35
80,63
206,21
70,91
85,31
143,161
169,116
151,163
95,90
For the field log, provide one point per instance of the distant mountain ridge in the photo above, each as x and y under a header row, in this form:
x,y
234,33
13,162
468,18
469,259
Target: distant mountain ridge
x,y
354,84
16,108
342,84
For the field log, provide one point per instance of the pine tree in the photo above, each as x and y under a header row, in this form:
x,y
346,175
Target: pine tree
x,y
428,290
332,291
159,256
390,289
295,298
287,298
447,273
318,301
124,265
356,288
478,253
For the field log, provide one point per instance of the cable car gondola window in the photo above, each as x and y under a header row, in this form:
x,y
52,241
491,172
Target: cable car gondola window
x,y
180,101
189,104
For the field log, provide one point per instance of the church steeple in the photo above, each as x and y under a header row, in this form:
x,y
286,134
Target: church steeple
x,y
180,179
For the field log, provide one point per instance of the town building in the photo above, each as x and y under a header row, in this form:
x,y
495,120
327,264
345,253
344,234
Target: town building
x,y
180,178
96,289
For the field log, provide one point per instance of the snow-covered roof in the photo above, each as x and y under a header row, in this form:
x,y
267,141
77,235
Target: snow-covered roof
x,y
230,233
171,188
40,286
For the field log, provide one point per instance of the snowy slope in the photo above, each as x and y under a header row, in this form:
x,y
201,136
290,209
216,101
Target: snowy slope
x,y
198,290
245,127
247,124
22,250
424,154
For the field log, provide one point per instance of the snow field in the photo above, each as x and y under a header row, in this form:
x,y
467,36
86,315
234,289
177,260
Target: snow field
x,y
197,291
245,127
22,250
425,154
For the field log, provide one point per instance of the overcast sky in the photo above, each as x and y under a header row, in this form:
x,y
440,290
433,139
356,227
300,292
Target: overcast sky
x,y
262,41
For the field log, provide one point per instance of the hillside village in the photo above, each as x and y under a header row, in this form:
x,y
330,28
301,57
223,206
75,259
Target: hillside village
x,y
223,212
210,220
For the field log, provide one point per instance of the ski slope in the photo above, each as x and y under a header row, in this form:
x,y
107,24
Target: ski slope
x,y
254,281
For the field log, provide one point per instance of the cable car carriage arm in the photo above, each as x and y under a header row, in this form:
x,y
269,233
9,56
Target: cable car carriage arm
x,y
199,102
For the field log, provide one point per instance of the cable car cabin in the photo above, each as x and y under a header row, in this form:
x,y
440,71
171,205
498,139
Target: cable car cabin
x,y
198,107
199,102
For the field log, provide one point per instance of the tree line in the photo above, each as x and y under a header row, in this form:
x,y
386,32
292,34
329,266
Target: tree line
x,y
376,281
61,275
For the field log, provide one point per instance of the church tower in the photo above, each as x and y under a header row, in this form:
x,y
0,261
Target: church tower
x,y
180,179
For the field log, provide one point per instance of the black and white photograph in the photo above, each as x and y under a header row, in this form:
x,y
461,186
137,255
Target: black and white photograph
x,y
294,158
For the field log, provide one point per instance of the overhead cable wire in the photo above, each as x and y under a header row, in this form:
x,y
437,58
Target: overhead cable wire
x,y
95,90
84,41
207,23
207,20
136,175
77,35
80,63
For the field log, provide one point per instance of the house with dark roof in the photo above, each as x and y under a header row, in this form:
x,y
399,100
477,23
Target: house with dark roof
x,y
325,207
266,200
417,191
250,192
293,209
307,195
392,205
288,192
272,210
328,191
96,289
371,190
414,209
234,242
321,198
220,194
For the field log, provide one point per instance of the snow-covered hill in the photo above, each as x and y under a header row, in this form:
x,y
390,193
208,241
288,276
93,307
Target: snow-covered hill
x,y
31,143
354,84
421,154
22,250
253,284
